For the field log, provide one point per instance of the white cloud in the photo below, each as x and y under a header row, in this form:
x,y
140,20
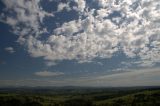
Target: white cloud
x,y
48,73
10,49
62,6
28,15
81,5
132,27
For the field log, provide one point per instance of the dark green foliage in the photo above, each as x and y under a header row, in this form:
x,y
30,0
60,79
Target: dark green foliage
x,y
146,98
11,102
78,102
18,101
32,103
80,98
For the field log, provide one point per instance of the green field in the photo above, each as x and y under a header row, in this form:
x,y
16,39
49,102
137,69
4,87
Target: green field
x,y
80,97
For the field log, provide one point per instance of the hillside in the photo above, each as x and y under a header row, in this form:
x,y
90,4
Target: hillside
x,y
81,97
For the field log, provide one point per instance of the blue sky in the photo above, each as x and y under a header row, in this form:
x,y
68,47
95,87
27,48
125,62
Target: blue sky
x,y
79,42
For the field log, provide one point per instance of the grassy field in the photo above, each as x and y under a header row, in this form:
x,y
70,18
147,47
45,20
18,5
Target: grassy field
x,y
80,97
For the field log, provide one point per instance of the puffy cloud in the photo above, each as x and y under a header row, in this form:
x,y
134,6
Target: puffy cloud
x,y
69,28
48,74
62,6
81,5
10,49
25,17
131,27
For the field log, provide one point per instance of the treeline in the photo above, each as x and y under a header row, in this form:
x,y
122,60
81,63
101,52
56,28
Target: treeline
x,y
145,98
25,101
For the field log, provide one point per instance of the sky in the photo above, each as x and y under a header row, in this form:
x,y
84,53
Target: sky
x,y
107,43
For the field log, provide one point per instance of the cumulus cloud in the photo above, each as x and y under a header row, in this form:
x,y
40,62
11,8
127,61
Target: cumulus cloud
x,y
25,17
62,6
131,27
10,49
81,5
48,73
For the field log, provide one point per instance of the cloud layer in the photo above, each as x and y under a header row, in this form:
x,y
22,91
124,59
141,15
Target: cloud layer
x,y
48,73
103,28
141,77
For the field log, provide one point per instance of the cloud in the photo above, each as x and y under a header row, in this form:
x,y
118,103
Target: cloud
x,y
139,77
62,6
101,30
29,82
81,5
26,17
48,74
10,49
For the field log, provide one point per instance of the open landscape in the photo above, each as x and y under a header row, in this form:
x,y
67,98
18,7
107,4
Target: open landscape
x,y
79,52
80,96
